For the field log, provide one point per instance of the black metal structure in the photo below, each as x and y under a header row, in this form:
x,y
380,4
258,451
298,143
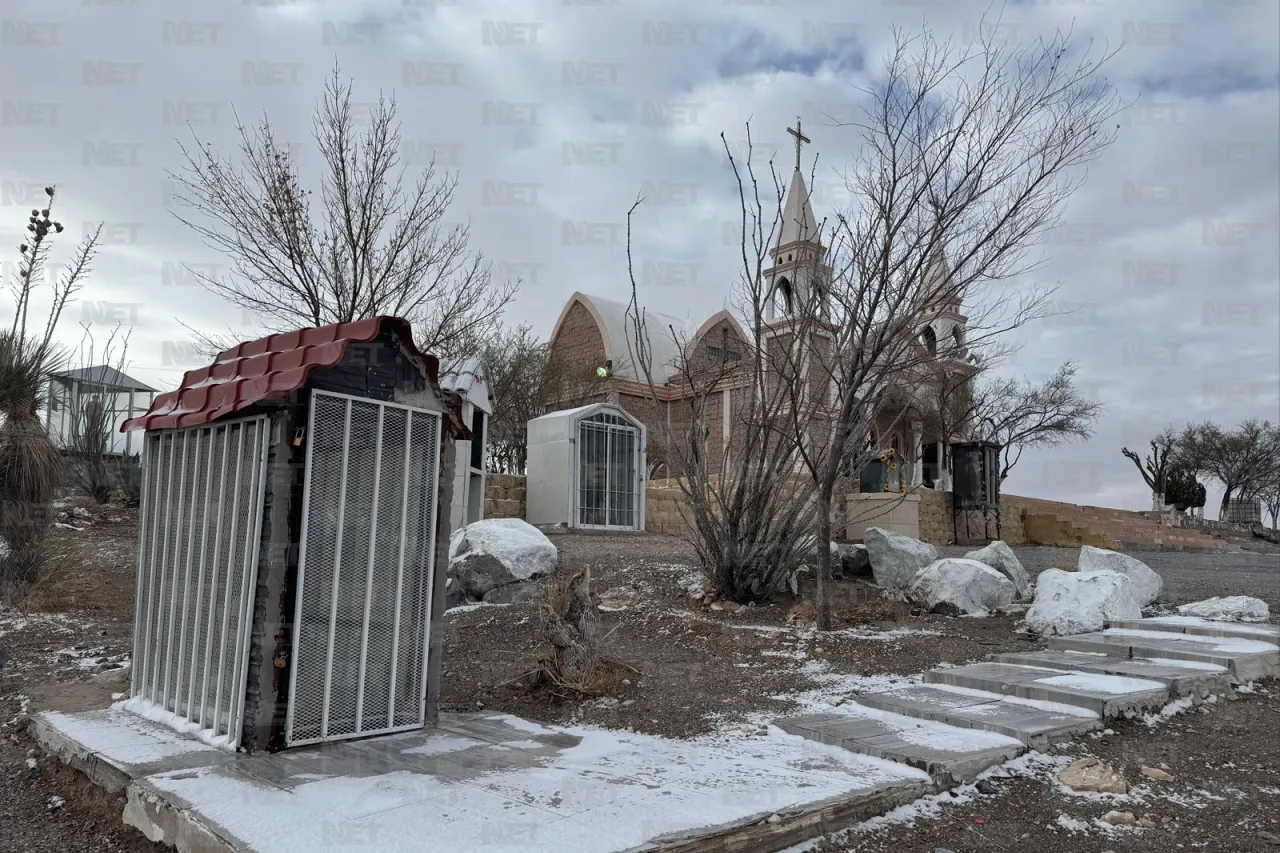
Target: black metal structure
x,y
975,489
872,477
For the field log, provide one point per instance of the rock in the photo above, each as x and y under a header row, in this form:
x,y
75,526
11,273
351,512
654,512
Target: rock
x,y
1231,608
1269,837
80,512
1119,818
1157,774
618,598
1146,583
985,787
717,605
498,551
963,585
1147,823
835,701
895,558
1079,602
116,676
1090,774
454,595
854,560
512,593
1000,557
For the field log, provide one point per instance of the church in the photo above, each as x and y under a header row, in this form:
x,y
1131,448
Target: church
x,y
591,345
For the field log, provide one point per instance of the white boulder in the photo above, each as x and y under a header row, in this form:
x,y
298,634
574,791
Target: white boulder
x,y
896,558
961,585
1146,583
1080,602
499,551
1000,557
1230,608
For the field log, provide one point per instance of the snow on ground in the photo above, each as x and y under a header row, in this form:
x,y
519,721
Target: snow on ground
x,y
149,710
1110,684
612,791
117,733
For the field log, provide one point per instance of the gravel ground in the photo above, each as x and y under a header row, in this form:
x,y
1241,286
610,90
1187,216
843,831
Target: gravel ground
x,y
692,670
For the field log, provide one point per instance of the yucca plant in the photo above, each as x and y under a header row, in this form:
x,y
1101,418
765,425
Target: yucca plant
x,y
30,463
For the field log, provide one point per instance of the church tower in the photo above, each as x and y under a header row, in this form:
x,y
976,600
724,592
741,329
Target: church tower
x,y
799,272
796,286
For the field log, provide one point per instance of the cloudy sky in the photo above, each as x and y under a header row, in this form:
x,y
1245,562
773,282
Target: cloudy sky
x,y
558,112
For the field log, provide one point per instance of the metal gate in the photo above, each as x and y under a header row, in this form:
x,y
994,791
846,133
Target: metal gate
x,y
608,472
197,571
364,572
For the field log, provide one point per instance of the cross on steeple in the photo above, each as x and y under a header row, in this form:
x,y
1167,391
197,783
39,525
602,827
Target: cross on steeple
x,y
801,139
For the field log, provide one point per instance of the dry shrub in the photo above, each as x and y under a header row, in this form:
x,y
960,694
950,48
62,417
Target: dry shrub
x,y
570,660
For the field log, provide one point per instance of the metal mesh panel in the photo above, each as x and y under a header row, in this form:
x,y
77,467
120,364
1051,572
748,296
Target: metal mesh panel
x,y
367,552
198,546
607,472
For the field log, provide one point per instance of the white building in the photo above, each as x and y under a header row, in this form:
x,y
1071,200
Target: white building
x,y
70,392
467,378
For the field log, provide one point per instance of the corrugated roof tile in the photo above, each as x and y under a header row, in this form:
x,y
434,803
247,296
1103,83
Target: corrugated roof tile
x,y
267,368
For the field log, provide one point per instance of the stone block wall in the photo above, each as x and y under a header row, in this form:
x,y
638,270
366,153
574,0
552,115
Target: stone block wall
x,y
665,511
504,496
936,519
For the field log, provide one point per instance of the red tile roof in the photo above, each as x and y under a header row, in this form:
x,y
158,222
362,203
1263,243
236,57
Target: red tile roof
x,y
267,368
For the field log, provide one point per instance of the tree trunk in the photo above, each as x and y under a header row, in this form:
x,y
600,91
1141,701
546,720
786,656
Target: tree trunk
x,y
1157,502
822,602
1226,500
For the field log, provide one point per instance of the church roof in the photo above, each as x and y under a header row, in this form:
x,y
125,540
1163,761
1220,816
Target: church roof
x,y
797,214
617,328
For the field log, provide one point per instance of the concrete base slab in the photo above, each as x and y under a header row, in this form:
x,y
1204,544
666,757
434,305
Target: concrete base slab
x,y
1202,627
490,783
947,753
1031,723
1246,660
1105,695
1183,679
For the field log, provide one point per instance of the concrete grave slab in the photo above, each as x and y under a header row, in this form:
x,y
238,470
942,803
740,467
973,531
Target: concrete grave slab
x,y
947,753
1030,722
490,784
1202,627
991,677
1183,678
1246,660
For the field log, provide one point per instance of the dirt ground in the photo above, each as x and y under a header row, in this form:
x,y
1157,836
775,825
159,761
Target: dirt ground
x,y
693,669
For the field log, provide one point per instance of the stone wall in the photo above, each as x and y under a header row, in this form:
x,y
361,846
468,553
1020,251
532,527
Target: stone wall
x,y
665,512
936,521
504,496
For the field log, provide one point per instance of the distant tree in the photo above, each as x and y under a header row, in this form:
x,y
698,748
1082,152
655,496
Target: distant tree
x,y
1021,413
1241,460
378,242
1181,489
1157,464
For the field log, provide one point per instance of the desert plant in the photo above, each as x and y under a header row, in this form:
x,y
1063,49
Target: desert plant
x,y
30,463
570,659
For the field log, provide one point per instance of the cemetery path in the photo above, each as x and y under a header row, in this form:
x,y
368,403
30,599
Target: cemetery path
x,y
1225,794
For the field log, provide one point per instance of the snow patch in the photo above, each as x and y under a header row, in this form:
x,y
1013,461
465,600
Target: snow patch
x,y
1111,684
1229,645
1169,711
1231,608
1043,705
148,710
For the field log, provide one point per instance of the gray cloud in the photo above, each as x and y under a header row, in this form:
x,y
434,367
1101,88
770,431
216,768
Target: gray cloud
x,y
558,114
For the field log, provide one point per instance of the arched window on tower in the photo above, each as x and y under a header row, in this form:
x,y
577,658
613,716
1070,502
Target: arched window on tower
x,y
929,340
781,300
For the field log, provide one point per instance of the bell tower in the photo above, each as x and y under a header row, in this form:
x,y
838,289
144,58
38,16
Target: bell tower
x,y
799,275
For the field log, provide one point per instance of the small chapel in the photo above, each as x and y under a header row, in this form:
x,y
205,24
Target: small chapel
x,y
591,346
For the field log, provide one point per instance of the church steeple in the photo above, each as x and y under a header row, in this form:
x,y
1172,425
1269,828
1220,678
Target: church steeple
x,y
798,273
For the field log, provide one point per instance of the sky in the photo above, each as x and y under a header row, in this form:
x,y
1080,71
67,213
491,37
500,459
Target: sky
x,y
556,114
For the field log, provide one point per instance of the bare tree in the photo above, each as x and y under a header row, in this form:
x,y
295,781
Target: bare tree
x,y
377,244
968,157
1242,460
751,519
1020,414
96,468
1156,466
30,464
